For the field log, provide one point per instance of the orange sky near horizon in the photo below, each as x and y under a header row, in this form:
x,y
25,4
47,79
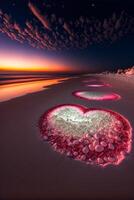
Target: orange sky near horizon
x,y
18,62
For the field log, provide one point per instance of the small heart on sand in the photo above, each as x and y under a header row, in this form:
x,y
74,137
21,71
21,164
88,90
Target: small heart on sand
x,y
98,85
99,96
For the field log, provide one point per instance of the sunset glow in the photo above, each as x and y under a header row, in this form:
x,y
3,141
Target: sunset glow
x,y
13,62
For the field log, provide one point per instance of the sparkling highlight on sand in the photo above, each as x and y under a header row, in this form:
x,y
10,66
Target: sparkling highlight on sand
x,y
94,136
99,96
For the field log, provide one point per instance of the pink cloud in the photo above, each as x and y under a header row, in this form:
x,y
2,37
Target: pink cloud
x,y
39,16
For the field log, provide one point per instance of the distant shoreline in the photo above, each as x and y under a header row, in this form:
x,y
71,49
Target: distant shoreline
x,y
11,79
20,80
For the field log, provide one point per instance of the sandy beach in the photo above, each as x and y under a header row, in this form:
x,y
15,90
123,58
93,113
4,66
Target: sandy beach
x,y
30,169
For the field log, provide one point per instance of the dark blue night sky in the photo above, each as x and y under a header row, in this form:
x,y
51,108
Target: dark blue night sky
x,y
86,35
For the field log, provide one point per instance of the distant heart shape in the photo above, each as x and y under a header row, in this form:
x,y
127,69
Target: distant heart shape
x,y
95,136
99,85
90,95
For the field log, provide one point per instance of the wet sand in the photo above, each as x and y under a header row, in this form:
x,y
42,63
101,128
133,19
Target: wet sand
x,y
30,169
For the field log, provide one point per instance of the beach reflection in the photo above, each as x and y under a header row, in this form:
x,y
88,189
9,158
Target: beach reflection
x,y
11,91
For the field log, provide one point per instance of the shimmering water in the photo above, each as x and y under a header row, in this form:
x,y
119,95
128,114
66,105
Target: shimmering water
x,y
10,91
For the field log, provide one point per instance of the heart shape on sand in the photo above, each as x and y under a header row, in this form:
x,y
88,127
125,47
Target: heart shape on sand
x,y
99,96
95,136
98,85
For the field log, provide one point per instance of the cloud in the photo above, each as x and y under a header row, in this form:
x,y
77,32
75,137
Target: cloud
x,y
67,28
39,16
117,24
17,27
79,33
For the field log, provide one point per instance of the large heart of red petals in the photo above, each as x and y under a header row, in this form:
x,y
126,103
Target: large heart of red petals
x,y
95,136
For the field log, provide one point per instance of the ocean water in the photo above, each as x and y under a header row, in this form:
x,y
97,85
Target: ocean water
x,y
15,78
19,85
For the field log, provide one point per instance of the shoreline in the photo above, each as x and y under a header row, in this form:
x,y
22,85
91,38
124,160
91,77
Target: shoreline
x,y
15,90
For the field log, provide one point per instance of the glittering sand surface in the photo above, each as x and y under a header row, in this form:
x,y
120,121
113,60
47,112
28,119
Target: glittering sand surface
x,y
29,166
